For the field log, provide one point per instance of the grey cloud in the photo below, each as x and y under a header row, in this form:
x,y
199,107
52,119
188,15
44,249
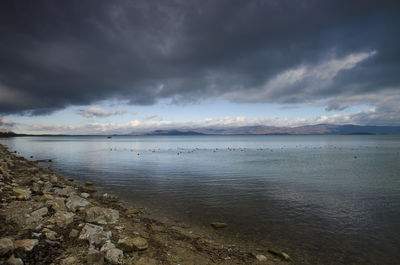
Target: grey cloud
x,y
98,112
56,54
6,124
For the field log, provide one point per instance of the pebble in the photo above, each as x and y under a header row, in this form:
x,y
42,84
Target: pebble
x,y
74,233
14,261
95,257
6,245
129,244
219,225
26,244
261,258
101,215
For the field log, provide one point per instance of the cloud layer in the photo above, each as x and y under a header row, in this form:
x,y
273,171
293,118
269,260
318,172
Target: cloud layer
x,y
99,113
338,53
137,126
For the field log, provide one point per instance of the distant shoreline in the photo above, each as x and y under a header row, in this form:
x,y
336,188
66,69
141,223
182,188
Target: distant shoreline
x,y
319,129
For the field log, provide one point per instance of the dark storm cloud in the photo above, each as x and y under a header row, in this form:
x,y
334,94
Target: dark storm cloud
x,y
59,53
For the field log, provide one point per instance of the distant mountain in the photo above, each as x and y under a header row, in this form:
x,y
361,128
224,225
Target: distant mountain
x,y
319,129
173,132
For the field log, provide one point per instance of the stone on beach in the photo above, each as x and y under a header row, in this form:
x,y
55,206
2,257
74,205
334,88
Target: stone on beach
x,y
88,183
14,261
129,244
22,194
57,204
280,254
102,215
65,192
261,258
46,197
26,244
218,225
94,234
62,219
6,245
69,261
85,195
74,233
40,213
95,257
75,202
114,256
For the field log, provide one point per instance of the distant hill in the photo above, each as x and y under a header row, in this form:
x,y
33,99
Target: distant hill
x,y
319,129
173,132
7,134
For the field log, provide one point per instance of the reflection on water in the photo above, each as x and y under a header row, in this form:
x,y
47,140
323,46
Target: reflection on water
x,y
325,199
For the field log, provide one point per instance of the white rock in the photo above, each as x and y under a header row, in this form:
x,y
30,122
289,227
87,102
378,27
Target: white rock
x,y
261,258
94,234
102,215
85,195
76,202
114,256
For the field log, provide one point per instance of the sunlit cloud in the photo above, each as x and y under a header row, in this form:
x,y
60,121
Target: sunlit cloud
x,y
99,113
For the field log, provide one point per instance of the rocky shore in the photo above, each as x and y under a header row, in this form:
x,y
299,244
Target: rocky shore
x,y
46,219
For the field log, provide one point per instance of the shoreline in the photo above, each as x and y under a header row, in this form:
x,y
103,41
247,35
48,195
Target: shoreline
x,y
46,219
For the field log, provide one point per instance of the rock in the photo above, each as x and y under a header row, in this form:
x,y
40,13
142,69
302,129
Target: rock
x,y
36,234
47,187
133,211
88,183
74,233
26,244
102,215
57,204
285,256
129,244
50,234
6,245
217,225
40,213
69,261
107,246
85,195
22,194
37,188
114,256
94,234
279,254
261,258
65,192
53,179
76,202
62,219
14,261
95,257
46,197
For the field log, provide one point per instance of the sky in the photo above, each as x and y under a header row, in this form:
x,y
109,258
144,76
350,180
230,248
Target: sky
x,y
126,66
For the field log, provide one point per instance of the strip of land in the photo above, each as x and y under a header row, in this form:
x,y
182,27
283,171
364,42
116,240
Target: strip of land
x,y
46,219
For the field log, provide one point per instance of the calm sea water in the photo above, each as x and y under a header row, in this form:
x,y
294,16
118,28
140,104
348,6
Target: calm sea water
x,y
323,199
